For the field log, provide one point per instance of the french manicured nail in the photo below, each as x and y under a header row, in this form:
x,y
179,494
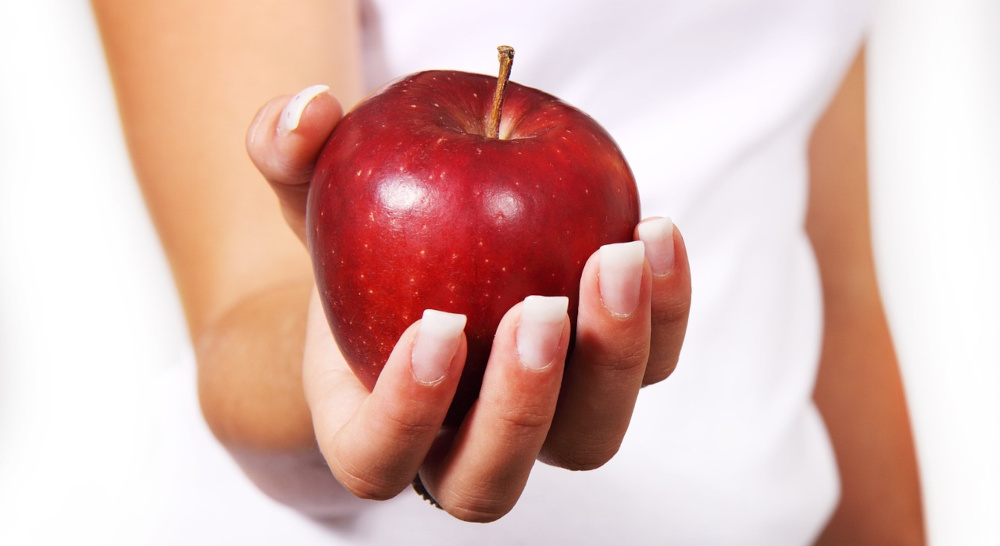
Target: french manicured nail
x,y
437,340
292,113
540,330
657,234
620,276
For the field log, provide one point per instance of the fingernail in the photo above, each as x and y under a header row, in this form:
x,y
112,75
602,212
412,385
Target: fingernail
x,y
292,113
657,235
540,329
437,340
620,276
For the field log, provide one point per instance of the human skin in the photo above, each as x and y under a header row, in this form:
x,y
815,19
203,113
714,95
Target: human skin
x,y
859,390
273,386
188,77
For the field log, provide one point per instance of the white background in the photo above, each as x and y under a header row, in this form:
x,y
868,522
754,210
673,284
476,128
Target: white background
x,y
935,123
88,316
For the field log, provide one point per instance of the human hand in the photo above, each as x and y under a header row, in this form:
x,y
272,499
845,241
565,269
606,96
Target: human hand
x,y
634,300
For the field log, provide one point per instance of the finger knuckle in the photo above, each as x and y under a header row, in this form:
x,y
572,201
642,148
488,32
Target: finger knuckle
x,y
406,427
365,484
612,354
671,311
628,357
581,456
665,346
658,371
522,422
477,506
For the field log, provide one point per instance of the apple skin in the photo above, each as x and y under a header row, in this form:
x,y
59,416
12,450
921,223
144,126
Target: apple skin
x,y
412,207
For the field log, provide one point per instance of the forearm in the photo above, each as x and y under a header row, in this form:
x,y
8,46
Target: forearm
x,y
189,77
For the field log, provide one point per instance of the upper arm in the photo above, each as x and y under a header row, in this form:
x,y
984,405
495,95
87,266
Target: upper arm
x,y
838,223
189,77
859,388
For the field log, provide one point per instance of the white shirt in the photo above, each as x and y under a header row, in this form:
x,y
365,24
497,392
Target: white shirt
x,y
712,103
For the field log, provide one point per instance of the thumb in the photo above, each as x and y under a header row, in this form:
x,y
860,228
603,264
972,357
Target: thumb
x,y
284,140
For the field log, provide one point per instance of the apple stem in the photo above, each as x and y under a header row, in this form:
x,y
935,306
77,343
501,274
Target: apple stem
x,y
506,55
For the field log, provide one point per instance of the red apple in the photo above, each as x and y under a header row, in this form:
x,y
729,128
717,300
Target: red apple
x,y
415,205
